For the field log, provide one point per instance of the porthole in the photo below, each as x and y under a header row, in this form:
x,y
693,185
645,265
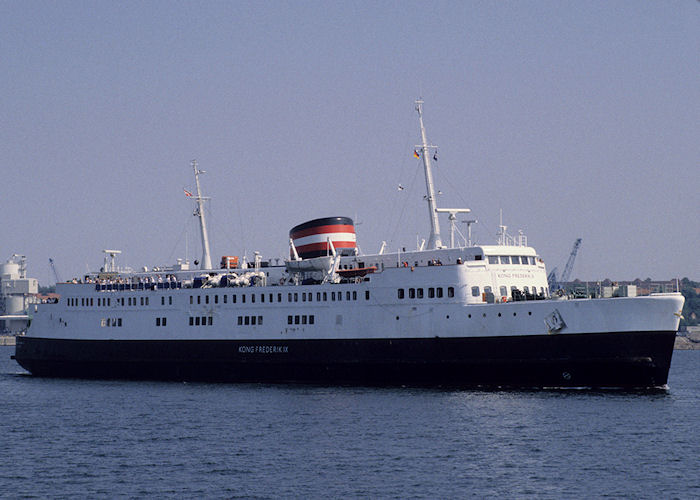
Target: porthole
x,y
397,318
514,314
469,315
529,313
499,315
484,315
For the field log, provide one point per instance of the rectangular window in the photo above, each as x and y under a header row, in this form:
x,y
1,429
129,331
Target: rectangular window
x,y
303,319
504,291
318,296
279,297
233,298
311,319
170,300
411,293
191,299
247,320
211,320
332,295
366,294
290,320
303,297
419,292
243,298
450,291
240,320
225,299
216,299
487,289
354,295
119,322
196,321
493,259
162,301
253,320
532,261
296,297
515,260
259,320
157,321
262,297
505,259
347,295
146,300
206,299
475,291
199,299
296,319
431,293
163,321
191,321
289,297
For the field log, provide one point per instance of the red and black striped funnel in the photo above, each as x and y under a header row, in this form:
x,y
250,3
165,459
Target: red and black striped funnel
x,y
311,238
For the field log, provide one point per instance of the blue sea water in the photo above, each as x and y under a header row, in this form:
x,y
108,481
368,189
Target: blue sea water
x,y
115,439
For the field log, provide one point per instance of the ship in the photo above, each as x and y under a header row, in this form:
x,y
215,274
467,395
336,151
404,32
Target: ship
x,y
457,315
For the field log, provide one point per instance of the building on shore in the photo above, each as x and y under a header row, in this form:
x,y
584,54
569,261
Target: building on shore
x,y
16,293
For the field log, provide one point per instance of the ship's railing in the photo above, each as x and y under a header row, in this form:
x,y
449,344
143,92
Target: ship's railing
x,y
121,287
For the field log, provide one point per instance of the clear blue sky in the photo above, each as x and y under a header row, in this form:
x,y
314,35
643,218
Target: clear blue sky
x,y
578,119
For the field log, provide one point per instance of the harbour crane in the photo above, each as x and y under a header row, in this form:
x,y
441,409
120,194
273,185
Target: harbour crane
x,y
554,283
53,268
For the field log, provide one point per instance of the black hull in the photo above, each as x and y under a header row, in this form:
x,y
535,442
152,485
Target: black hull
x,y
625,360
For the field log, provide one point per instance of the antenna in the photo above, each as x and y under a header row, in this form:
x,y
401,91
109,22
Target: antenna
x,y
469,230
434,241
199,212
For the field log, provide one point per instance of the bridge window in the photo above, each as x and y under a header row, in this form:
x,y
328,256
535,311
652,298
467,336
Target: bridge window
x,y
505,259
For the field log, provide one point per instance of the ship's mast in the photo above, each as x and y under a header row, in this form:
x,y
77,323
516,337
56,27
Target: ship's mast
x,y
199,212
434,241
